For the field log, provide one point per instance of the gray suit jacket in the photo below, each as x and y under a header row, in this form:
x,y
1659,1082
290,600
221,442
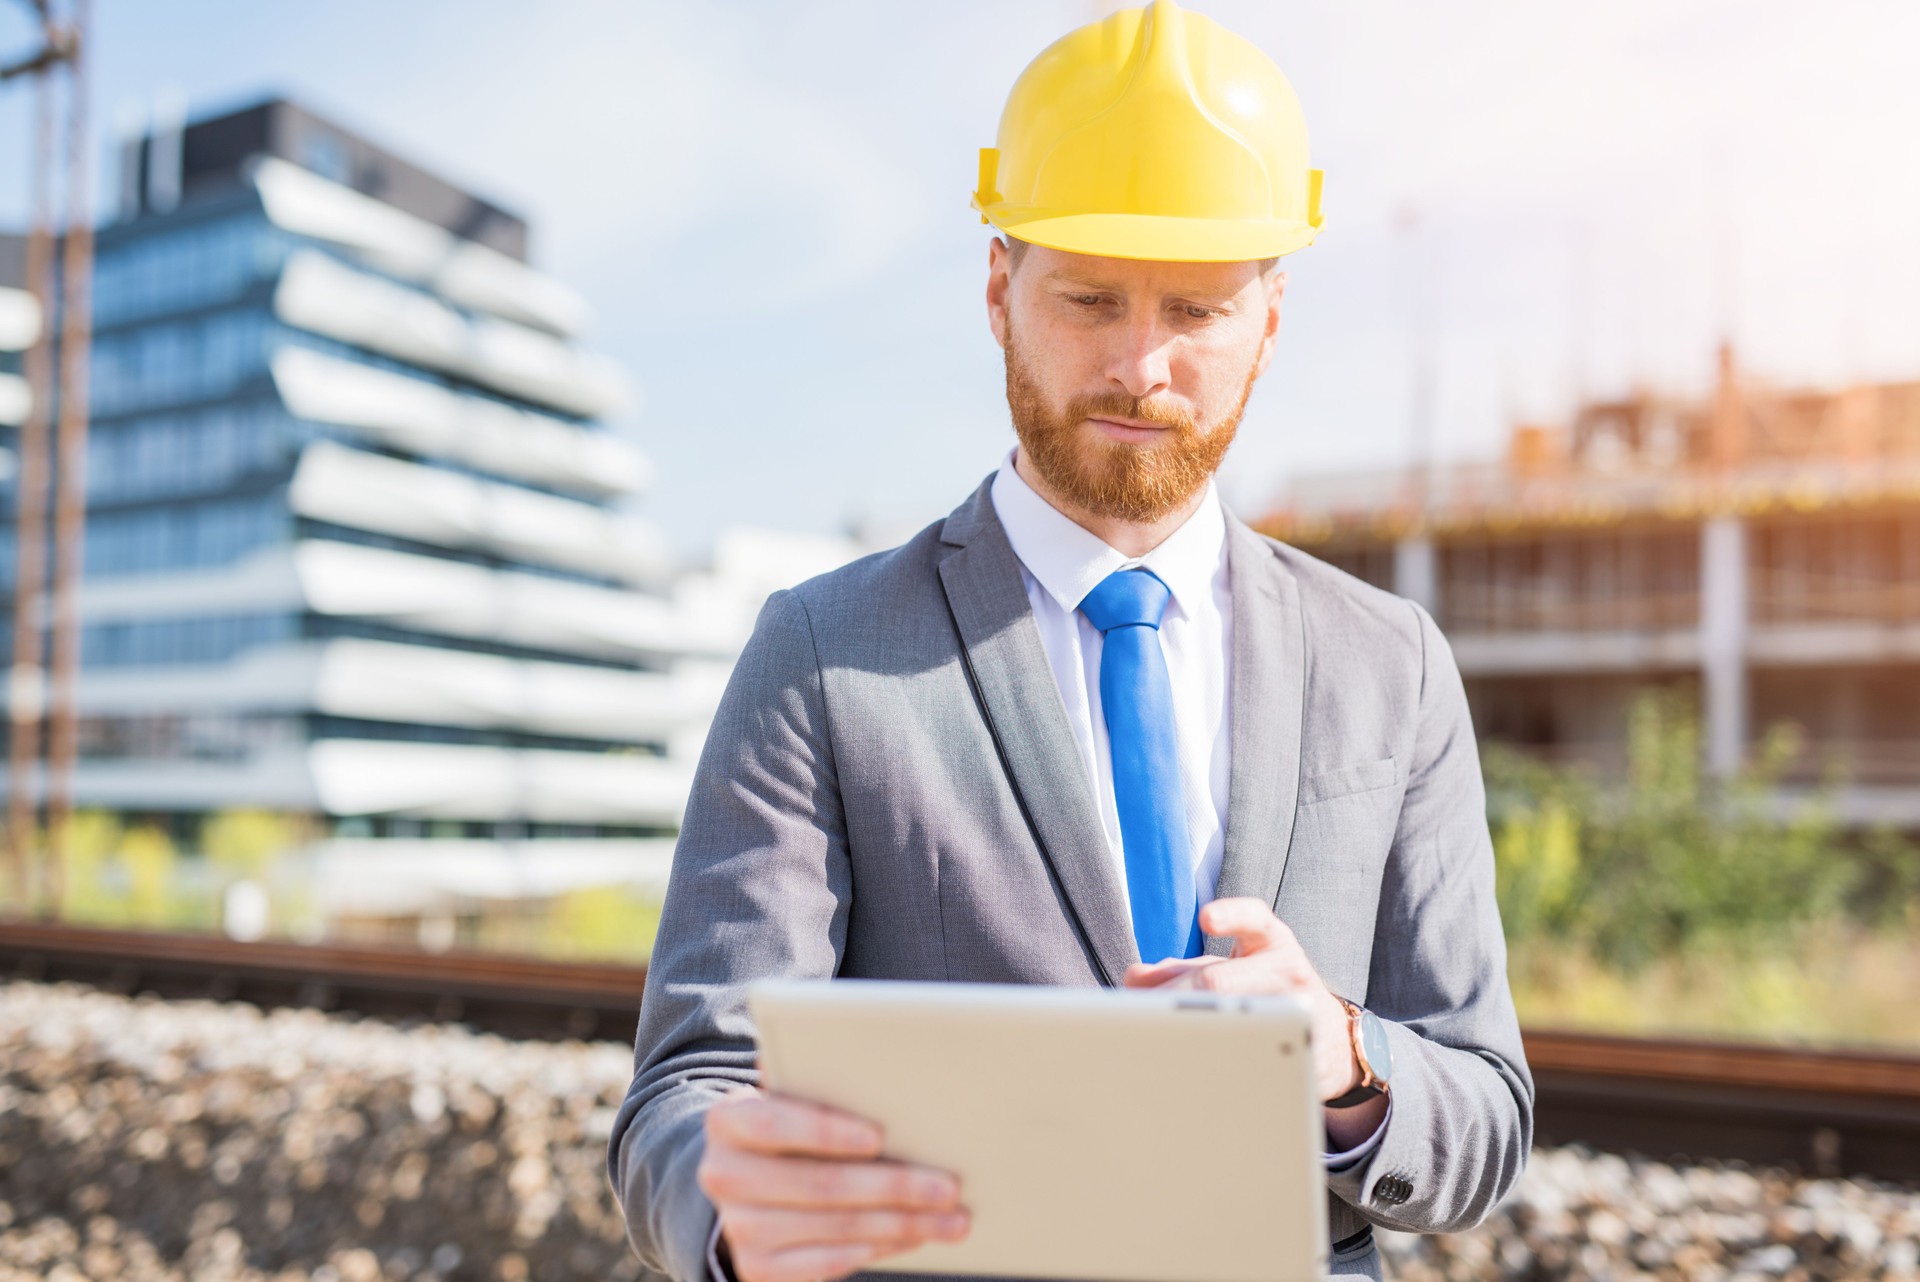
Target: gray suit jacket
x,y
890,789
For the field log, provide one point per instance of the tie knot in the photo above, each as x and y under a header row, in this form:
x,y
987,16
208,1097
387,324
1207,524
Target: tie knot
x,y
1127,598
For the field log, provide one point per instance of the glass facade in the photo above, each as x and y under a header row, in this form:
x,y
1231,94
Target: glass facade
x,y
179,536
192,452
231,736
195,481
172,642
183,312
322,726
183,536
334,625
216,638
167,363
204,264
185,407
185,736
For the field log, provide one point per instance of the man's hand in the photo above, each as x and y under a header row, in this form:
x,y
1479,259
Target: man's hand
x,y
1268,959
803,1194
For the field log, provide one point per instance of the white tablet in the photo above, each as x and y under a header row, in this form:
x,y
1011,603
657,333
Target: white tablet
x,y
1097,1133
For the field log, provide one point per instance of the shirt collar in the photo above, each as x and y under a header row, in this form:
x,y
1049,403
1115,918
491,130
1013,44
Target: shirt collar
x,y
1069,561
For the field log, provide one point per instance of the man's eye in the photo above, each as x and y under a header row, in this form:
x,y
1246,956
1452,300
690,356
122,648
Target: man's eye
x,y
1196,312
1087,300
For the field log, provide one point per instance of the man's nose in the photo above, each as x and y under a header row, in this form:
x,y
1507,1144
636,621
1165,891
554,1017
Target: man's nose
x,y
1140,361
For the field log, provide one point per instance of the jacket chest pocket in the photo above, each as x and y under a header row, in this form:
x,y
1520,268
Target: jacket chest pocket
x,y
1345,781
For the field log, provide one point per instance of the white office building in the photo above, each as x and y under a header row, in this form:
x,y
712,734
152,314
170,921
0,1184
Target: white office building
x,y
360,546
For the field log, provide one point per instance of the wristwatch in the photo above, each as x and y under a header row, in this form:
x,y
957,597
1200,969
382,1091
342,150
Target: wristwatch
x,y
1370,1051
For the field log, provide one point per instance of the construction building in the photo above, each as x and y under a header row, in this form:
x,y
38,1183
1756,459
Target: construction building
x,y
1759,546
360,545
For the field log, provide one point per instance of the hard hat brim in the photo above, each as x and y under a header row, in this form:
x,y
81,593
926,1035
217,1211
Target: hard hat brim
x,y
1152,236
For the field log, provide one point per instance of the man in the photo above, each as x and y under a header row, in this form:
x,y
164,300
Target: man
x,y
1090,728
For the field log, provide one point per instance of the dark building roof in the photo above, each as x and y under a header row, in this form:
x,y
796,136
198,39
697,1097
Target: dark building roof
x,y
212,151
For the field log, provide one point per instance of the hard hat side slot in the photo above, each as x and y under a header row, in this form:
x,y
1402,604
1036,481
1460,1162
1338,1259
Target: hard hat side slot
x,y
984,193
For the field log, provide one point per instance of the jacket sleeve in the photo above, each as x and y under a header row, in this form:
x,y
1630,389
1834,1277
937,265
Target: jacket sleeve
x,y
760,887
1462,1117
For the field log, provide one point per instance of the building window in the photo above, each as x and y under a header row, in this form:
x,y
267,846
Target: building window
x,y
185,268
167,642
188,453
177,361
185,535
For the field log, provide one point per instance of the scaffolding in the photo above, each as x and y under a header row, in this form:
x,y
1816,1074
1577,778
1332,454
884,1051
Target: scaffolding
x,y
1746,449
1596,526
1759,546
52,451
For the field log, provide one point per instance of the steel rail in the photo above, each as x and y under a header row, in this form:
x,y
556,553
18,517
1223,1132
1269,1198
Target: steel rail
x,y
1822,1111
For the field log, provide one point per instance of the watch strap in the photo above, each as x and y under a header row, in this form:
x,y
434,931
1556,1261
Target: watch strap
x,y
1358,1095
1369,1086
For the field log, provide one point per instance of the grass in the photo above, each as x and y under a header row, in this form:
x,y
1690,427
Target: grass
x,y
1832,987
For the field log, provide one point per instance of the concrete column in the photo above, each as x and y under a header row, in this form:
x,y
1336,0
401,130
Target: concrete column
x,y
1416,571
1723,641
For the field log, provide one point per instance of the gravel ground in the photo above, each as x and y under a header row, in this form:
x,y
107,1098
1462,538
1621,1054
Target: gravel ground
x,y
171,1140
187,1140
1578,1214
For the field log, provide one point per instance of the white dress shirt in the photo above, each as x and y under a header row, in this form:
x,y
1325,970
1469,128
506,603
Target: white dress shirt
x,y
1060,562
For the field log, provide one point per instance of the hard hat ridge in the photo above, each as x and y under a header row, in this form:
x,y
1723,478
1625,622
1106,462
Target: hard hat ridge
x,y
1153,133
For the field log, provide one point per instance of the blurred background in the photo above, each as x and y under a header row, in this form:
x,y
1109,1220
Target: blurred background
x,y
406,410
459,386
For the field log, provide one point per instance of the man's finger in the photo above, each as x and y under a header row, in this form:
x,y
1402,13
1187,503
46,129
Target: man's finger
x,y
1248,922
776,1124
1154,974
737,1176
807,1263
1259,973
775,1228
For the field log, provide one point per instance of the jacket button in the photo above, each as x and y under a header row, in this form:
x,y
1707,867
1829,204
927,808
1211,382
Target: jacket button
x,y
1393,1190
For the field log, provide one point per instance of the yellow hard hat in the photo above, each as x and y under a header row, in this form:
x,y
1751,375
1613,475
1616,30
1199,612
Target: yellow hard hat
x,y
1155,133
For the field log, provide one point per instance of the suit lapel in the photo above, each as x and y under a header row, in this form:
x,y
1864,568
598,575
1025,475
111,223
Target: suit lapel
x,y
981,577
1267,700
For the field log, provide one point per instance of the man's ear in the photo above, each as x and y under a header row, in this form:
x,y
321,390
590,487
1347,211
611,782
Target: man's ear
x,y
1276,286
999,282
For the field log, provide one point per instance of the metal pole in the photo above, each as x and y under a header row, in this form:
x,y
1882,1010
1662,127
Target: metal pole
x,y
70,495
1422,404
26,688
53,46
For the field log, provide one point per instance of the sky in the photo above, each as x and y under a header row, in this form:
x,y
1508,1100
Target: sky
x,y
766,204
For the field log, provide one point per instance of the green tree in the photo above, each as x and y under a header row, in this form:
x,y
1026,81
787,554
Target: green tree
x,y
601,921
243,844
1668,859
92,884
152,867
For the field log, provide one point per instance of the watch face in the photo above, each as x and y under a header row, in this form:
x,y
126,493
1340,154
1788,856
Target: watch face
x,y
1373,1040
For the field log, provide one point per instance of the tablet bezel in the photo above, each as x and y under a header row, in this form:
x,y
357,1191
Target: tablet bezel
x,y
1005,1084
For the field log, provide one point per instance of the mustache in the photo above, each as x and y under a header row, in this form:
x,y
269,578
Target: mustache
x,y
1120,405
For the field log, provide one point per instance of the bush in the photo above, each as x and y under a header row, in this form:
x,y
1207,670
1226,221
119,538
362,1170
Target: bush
x,y
1669,860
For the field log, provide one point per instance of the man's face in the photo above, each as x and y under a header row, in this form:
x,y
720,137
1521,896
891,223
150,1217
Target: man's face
x,y
1126,379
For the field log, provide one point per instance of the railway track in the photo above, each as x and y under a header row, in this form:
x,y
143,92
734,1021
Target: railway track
x,y
1824,1112
513,996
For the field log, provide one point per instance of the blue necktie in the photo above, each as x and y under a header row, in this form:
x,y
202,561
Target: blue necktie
x,y
1136,698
